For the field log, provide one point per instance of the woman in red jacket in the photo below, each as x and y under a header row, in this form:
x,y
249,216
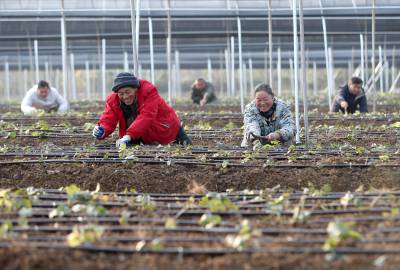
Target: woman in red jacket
x,y
142,114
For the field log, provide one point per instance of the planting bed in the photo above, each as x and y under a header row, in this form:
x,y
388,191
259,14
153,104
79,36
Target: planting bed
x,y
213,205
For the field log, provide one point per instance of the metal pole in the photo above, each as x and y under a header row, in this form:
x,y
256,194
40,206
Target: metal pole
x,y
233,66
349,73
139,74
209,68
315,80
35,45
73,82
57,84
151,50
245,88
373,91
352,61
251,78
327,63
227,71
295,67
366,74
87,80
26,84
331,69
386,84
279,69
239,26
103,69
383,66
137,32
169,67
174,82
393,63
362,57
64,51
270,41
134,41
304,73
178,74
291,76
46,69
126,62
7,80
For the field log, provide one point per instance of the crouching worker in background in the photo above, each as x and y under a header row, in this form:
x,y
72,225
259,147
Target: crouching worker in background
x,y
202,92
142,114
42,97
267,119
351,97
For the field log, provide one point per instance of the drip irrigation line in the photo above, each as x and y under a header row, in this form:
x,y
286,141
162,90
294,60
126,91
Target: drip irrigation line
x,y
205,251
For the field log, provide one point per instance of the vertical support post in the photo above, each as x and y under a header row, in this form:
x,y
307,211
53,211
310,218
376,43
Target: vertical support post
x,y
349,72
134,41
178,74
103,69
373,90
26,84
245,87
393,64
304,73
35,45
227,71
87,72
279,69
126,62
251,78
169,51
209,68
362,57
331,69
7,80
241,87
270,41
296,70
327,63
152,76
46,71
315,80
233,66
64,51
291,76
383,66
73,81
57,84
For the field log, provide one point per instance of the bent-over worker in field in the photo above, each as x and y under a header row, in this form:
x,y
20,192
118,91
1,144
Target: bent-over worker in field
x,y
42,97
202,92
267,119
351,97
142,114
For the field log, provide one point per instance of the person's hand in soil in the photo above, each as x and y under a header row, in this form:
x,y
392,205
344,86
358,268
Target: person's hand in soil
x,y
98,132
123,141
274,136
344,105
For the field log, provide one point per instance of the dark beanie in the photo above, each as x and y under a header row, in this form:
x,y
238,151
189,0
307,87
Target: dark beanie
x,y
125,79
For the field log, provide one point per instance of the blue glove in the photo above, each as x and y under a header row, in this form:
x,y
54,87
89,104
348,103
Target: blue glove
x,y
98,132
124,140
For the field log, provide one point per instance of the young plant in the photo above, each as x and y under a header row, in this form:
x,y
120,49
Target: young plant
x,y
86,234
209,220
338,232
216,202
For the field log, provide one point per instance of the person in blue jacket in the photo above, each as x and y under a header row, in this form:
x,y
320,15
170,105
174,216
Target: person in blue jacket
x,y
351,97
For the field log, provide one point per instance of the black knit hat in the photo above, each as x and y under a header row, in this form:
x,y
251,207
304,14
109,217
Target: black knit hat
x,y
125,79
